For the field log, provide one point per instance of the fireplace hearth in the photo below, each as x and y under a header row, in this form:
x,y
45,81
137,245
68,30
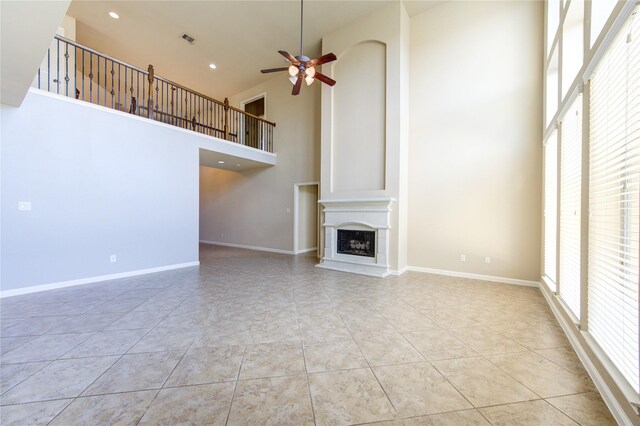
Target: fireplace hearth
x,y
357,243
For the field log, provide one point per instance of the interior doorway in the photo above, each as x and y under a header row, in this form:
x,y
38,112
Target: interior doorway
x,y
306,229
252,130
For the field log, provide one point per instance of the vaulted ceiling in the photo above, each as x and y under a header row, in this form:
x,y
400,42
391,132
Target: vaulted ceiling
x,y
239,37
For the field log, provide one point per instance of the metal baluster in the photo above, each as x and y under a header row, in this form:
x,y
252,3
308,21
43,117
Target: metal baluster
x,y
105,83
125,89
66,69
90,77
119,105
131,92
197,99
173,120
144,93
83,74
58,67
156,105
75,72
98,83
113,92
138,91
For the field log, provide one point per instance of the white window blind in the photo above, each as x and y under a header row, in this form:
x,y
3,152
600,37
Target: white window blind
x,y
614,193
570,187
550,207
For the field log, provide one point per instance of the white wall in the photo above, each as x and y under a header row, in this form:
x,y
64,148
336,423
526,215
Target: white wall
x,y
475,138
100,183
250,207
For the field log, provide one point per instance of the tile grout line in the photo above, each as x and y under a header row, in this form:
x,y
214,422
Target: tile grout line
x,y
164,383
111,366
235,387
304,359
395,411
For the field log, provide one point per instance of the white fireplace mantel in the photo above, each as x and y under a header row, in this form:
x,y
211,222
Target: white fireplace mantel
x,y
357,214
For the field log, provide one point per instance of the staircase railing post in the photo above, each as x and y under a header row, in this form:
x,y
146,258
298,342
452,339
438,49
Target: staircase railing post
x,y
150,97
226,118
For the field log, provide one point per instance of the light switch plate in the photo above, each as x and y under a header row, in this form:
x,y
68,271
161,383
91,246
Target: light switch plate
x,y
24,206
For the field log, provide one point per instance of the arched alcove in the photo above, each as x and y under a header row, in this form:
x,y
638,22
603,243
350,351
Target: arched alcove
x,y
359,118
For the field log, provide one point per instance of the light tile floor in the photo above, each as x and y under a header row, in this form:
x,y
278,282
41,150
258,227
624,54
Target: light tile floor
x,y
253,338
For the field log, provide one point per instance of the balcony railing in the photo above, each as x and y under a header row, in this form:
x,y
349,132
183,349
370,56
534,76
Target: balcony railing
x,y
74,70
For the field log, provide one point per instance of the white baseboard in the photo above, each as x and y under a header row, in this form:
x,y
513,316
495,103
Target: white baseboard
x,y
242,246
491,278
307,250
398,272
81,281
607,396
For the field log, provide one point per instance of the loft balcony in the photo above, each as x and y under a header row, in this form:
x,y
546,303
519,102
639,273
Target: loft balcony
x,y
79,72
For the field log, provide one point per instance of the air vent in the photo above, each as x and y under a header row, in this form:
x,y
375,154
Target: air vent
x,y
188,38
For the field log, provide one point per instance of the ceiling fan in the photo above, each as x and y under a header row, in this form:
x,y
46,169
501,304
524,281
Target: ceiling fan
x,y
303,68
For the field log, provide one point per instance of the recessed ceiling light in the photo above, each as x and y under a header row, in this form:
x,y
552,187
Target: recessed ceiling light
x,y
114,15
212,66
237,165
220,162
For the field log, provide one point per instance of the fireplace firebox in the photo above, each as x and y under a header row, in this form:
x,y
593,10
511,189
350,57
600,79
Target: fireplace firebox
x,y
357,243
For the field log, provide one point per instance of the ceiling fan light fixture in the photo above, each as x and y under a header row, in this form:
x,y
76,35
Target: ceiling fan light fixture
x,y
303,68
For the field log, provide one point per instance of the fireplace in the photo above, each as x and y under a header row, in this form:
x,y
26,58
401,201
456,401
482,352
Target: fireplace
x,y
356,235
357,243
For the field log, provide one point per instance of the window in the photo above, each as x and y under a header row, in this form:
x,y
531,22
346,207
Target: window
x,y
553,20
572,44
552,87
614,200
570,195
550,207
605,301
600,12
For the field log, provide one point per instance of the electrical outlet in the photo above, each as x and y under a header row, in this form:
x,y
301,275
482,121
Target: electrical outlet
x,y
463,258
487,260
24,206
288,210
113,258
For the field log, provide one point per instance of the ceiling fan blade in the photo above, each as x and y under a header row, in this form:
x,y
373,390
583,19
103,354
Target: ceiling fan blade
x,y
296,87
289,57
323,78
274,70
329,57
